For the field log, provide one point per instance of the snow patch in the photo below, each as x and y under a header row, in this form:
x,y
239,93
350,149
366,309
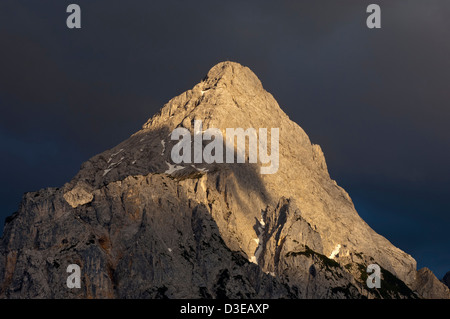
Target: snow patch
x,y
203,170
259,240
121,150
335,251
258,251
112,165
114,154
106,171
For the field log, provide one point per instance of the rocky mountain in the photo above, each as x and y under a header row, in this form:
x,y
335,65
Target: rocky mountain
x,y
141,226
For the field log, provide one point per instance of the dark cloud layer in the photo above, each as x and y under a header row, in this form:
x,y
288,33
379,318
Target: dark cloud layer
x,y
375,100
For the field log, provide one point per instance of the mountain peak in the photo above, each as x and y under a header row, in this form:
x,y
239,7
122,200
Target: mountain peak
x,y
228,73
224,67
141,225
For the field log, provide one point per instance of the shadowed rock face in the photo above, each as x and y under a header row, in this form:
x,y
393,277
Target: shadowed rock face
x,y
139,228
428,286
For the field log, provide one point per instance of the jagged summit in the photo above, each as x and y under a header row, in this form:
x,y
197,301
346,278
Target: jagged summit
x,y
142,226
226,87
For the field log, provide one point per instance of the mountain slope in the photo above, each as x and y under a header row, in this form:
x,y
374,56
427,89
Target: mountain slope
x,y
142,226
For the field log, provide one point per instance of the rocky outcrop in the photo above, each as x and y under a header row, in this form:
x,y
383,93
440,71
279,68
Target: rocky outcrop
x,y
78,196
141,226
428,286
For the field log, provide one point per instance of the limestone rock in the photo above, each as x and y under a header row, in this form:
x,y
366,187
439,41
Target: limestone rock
x,y
141,226
446,279
428,286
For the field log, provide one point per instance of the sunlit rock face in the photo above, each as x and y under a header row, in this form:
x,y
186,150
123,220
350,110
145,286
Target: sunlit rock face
x,y
140,225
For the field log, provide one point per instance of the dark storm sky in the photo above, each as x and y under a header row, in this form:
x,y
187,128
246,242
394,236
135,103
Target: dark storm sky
x,y
375,100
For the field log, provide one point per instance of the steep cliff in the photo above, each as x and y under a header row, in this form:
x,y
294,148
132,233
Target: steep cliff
x,y
141,226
